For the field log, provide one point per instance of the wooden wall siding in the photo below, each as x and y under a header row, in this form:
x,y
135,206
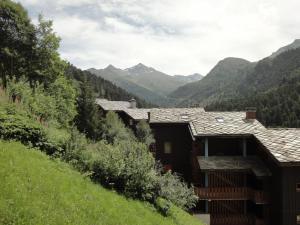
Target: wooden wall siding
x,y
181,141
290,197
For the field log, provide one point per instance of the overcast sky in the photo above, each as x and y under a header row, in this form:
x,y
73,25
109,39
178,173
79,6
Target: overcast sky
x,y
174,36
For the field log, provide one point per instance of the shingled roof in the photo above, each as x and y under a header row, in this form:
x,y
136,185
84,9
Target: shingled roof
x,y
112,105
283,144
204,123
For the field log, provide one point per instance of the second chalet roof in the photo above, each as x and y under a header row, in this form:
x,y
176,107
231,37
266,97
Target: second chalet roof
x,y
174,115
250,163
137,114
204,123
112,105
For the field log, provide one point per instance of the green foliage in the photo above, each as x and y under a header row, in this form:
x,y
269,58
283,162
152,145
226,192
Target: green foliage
x,y
49,65
173,188
17,124
63,94
17,40
36,190
127,166
144,133
88,119
113,129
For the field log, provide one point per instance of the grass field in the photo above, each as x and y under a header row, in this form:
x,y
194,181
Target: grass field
x,y
35,190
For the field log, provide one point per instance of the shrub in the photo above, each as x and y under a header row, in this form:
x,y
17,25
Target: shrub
x,y
144,133
114,130
126,166
174,189
16,124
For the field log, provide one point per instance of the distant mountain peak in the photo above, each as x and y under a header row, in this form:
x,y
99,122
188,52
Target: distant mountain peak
x,y
140,69
110,67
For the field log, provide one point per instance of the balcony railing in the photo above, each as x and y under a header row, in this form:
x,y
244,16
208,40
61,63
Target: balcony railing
x,y
232,193
236,220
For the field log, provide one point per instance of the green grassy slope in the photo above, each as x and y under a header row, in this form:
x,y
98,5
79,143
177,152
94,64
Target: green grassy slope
x,y
39,191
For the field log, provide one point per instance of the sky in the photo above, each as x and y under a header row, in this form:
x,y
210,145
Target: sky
x,y
173,36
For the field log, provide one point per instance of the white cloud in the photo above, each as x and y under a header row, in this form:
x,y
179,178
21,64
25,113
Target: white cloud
x,y
175,36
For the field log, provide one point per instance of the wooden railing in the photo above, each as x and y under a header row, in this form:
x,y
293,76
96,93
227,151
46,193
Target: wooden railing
x,y
236,220
232,193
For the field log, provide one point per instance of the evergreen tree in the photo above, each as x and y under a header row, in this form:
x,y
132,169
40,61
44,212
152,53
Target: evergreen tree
x,y
88,119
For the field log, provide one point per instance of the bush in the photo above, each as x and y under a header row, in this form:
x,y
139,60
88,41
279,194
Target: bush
x,y
16,124
173,188
114,130
144,133
126,166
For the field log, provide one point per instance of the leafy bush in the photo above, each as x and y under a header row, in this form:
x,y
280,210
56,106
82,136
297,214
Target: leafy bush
x,y
144,133
126,166
16,124
173,188
114,130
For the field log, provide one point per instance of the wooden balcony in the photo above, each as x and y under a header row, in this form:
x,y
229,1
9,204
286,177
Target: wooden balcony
x,y
232,193
236,220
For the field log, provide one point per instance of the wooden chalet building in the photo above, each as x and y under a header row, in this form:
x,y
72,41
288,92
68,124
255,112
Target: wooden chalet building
x,y
126,110
243,173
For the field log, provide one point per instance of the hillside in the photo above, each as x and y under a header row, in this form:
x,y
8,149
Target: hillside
x,y
145,82
37,190
189,78
217,83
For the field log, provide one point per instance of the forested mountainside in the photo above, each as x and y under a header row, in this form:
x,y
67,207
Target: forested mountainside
x,y
273,87
277,107
145,82
219,82
103,88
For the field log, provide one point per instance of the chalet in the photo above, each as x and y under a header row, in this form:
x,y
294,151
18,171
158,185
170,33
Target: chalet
x,y
126,110
243,173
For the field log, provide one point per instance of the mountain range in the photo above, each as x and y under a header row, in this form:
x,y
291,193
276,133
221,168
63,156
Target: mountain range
x,y
235,77
272,85
146,82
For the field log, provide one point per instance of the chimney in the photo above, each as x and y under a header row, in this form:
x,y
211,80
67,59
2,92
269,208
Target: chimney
x,y
250,113
132,103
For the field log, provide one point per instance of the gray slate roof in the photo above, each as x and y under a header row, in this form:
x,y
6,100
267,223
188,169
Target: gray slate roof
x,y
112,105
249,163
208,123
283,144
137,114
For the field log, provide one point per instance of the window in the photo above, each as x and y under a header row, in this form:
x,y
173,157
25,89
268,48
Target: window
x,y
167,147
298,187
184,116
298,219
220,119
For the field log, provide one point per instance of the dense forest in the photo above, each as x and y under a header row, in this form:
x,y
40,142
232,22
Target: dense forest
x,y
273,88
49,105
